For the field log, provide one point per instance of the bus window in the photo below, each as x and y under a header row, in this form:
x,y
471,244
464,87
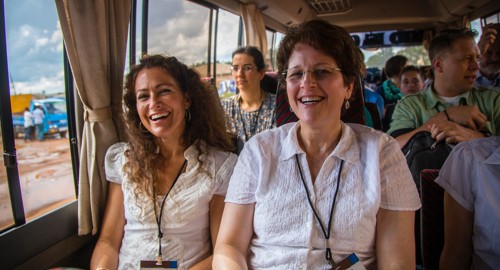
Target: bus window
x,y
35,50
417,55
181,29
6,217
227,42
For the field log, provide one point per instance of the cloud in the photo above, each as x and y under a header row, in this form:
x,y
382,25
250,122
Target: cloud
x,y
44,84
182,31
35,57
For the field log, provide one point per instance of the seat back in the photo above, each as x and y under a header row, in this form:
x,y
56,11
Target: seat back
x,y
269,82
372,108
355,113
431,219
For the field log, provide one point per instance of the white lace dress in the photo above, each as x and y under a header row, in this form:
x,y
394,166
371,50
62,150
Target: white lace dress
x,y
185,220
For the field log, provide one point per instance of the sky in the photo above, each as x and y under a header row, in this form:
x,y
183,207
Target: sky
x,y
179,28
35,50
34,47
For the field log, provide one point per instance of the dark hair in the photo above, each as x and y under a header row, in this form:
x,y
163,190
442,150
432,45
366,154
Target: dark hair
x,y
394,65
443,42
330,39
361,54
413,68
253,52
207,123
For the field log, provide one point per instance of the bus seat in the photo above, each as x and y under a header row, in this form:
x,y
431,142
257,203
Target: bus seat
x,y
372,108
269,82
431,219
355,113
284,113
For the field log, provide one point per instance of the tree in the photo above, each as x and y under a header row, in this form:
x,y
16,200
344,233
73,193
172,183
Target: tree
x,y
416,55
379,58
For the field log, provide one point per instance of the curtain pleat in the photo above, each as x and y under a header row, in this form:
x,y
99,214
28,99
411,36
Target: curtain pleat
x,y
255,29
95,35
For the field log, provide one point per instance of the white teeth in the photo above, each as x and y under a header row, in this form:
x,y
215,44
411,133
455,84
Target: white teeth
x,y
159,115
310,99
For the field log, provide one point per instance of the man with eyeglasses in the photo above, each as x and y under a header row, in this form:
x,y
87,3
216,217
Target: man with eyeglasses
x,y
451,108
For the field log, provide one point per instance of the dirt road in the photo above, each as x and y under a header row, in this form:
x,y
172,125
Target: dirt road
x,y
46,176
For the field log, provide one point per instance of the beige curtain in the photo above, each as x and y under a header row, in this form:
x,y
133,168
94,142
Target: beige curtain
x,y
255,29
95,35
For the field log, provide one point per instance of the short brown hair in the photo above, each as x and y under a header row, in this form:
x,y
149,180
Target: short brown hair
x,y
330,39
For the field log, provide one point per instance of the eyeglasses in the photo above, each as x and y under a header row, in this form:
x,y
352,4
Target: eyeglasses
x,y
244,68
319,73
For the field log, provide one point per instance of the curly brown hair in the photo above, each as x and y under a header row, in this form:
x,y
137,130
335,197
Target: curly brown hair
x,y
205,128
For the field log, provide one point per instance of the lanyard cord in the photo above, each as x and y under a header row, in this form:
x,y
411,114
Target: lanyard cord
x,y
158,218
328,253
254,128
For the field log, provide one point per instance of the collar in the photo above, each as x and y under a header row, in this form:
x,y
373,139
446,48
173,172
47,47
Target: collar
x,y
494,158
432,101
347,149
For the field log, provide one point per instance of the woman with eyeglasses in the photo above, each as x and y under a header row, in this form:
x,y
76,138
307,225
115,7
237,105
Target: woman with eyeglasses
x,y
252,109
319,193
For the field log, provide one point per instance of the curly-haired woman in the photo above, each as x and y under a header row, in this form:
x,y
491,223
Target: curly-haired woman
x,y
168,182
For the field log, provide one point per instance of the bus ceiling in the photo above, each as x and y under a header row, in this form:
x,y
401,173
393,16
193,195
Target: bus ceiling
x,y
368,15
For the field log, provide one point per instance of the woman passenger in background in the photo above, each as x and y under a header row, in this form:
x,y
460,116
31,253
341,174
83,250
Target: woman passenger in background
x,y
307,195
167,184
252,109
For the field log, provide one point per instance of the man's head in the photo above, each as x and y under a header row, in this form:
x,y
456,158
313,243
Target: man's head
x,y
490,59
455,61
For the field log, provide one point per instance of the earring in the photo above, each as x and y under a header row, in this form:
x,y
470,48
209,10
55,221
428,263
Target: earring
x,y
143,128
291,110
188,115
347,104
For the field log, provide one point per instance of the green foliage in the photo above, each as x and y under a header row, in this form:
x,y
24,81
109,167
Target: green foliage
x,y
416,55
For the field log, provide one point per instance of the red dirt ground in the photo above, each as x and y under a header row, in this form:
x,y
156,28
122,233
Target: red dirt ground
x,y
46,176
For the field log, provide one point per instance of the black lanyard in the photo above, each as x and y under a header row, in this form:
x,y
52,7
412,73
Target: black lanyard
x,y
254,127
158,218
328,252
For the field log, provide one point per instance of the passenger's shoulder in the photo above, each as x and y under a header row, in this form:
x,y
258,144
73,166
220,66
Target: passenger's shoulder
x,y
219,154
479,149
366,134
486,91
117,149
413,98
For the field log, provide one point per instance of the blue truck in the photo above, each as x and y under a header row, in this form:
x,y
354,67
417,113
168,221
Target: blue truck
x,y
56,118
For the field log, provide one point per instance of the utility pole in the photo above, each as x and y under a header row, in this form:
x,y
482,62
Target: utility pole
x,y
12,84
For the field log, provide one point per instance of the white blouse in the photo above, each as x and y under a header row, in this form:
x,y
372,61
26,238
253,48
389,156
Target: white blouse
x,y
185,219
286,232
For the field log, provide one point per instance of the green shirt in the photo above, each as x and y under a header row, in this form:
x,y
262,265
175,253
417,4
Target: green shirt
x,y
414,110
